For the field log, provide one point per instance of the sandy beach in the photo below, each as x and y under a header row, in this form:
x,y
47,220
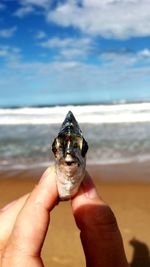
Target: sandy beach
x,y
127,190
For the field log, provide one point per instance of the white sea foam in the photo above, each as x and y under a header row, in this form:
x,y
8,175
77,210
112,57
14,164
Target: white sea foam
x,y
121,113
45,164
28,146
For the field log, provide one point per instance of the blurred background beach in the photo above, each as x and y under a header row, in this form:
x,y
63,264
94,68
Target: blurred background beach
x,y
118,160
91,57
116,134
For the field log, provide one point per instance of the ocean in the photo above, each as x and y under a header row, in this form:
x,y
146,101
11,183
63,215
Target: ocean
x,y
117,133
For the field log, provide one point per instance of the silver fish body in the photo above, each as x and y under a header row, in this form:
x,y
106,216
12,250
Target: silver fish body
x,y
69,149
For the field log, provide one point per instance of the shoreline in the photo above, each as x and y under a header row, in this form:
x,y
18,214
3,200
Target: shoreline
x,y
133,172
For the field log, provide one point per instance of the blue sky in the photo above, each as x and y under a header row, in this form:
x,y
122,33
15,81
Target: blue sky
x,y
74,51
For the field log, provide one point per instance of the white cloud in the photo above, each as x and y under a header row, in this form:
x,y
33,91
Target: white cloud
x,y
109,18
144,53
125,58
40,35
64,66
28,7
73,53
23,11
69,47
7,33
4,50
2,6
65,77
117,71
40,3
66,42
3,53
10,53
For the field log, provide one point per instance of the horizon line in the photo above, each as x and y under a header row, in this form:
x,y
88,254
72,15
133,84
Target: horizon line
x,y
120,102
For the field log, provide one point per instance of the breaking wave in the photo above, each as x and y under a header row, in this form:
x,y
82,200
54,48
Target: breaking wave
x,y
121,113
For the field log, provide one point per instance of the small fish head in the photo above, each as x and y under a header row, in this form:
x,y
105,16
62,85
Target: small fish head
x,y
69,147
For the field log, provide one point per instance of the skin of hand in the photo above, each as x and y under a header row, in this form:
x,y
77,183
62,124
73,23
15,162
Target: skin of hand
x,y
24,224
99,232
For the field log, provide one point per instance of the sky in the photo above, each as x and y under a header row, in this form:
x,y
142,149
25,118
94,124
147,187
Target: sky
x,y
74,51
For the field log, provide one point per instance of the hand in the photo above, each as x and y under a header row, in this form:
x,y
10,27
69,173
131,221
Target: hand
x,y
100,236
24,223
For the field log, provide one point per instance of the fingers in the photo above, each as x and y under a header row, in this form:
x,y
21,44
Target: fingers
x,y
8,217
89,208
32,222
100,236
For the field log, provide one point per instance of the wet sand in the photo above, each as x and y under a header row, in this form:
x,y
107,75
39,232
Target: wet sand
x,y
126,187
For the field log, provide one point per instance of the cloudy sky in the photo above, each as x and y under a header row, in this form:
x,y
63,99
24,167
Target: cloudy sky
x,y
74,51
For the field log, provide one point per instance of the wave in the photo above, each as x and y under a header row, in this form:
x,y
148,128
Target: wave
x,y
7,165
101,114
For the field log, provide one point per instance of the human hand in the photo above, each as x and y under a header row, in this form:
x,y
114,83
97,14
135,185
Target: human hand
x,y
24,223
100,235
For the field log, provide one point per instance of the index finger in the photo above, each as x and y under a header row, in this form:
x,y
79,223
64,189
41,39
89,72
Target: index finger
x,y
33,220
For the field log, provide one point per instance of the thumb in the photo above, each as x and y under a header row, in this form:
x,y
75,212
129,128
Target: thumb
x,y
100,236
89,208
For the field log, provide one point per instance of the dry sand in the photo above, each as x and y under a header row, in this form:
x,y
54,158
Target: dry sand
x,y
124,187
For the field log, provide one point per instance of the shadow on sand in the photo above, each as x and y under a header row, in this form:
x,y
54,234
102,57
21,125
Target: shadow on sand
x,y
141,254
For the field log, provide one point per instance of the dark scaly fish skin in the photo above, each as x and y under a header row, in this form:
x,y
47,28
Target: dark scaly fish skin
x,y
69,148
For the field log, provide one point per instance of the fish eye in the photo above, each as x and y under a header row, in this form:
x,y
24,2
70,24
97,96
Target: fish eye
x,y
75,145
60,143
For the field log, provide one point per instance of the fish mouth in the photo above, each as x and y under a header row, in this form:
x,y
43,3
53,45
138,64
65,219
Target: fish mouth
x,y
71,161
69,166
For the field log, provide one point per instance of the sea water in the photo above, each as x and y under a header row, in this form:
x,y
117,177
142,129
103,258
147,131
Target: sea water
x,y
115,134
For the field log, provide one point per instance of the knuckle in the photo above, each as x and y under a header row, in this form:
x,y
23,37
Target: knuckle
x,y
106,216
98,217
